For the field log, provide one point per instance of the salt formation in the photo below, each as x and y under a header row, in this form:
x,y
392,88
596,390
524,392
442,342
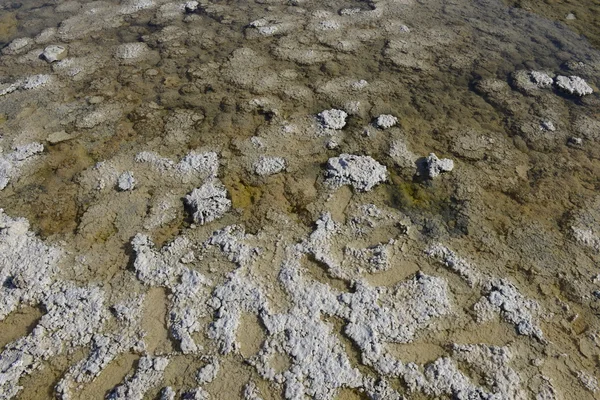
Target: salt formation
x,y
72,316
573,85
584,225
531,81
333,119
499,295
142,101
149,373
361,172
208,202
28,83
164,268
126,181
385,121
435,166
266,166
12,163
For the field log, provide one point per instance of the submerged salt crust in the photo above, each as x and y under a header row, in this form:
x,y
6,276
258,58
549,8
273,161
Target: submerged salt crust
x,y
265,200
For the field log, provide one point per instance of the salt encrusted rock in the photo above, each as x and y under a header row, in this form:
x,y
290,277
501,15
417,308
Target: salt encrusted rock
x,y
148,375
159,268
443,377
208,202
541,79
28,83
251,392
18,45
320,365
191,6
362,172
60,136
196,394
208,373
266,166
514,307
435,166
11,163
126,181
187,308
547,126
129,51
54,53
584,227
385,121
232,242
589,381
531,81
333,119
457,264
192,164
167,393
573,85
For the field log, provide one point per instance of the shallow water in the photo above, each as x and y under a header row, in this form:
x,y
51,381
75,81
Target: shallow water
x,y
247,80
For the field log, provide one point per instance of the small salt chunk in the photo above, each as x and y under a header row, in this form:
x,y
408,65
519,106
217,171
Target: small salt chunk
x,y
191,6
547,126
385,121
266,166
333,119
573,85
436,166
126,181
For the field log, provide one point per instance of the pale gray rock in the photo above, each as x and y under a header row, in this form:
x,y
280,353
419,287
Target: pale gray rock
x,y
208,202
54,53
361,172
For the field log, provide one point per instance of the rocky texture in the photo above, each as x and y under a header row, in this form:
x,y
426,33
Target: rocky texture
x,y
433,166
573,85
322,293
266,166
54,53
208,202
126,181
333,119
148,374
11,163
385,121
361,172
